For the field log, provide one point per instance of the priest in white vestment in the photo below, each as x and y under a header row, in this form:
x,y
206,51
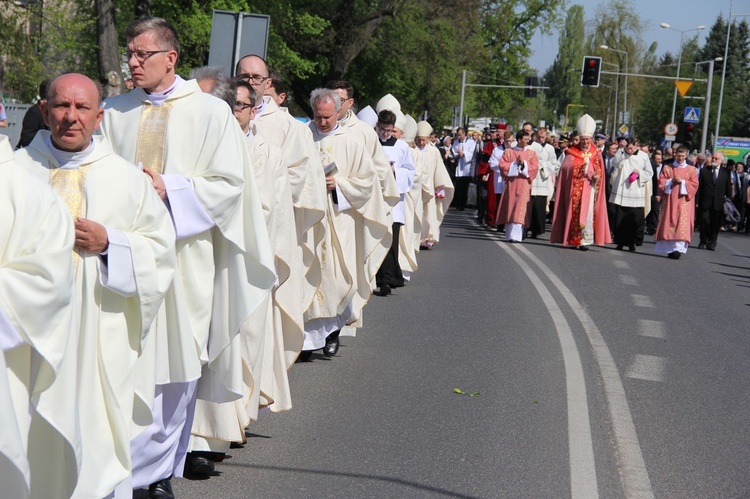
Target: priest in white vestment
x,y
352,249
437,186
123,265
413,206
40,440
189,143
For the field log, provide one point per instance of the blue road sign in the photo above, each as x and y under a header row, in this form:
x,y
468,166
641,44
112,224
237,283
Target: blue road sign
x,y
692,115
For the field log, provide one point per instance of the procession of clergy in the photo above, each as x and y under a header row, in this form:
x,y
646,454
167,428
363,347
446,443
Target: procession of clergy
x,y
168,255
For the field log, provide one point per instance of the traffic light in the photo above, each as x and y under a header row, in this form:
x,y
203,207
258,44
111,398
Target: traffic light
x,y
689,129
531,81
591,72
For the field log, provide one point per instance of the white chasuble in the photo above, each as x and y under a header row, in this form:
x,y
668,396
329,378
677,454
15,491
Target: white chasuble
x,y
223,273
437,193
413,210
39,437
113,318
353,248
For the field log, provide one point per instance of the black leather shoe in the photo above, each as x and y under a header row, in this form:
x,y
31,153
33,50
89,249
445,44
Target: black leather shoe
x,y
332,344
675,255
304,356
161,490
583,248
384,290
711,247
702,246
619,247
631,248
197,465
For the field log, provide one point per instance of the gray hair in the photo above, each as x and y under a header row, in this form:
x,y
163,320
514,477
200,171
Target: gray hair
x,y
222,87
164,32
324,94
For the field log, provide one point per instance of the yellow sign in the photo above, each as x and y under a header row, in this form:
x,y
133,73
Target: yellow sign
x,y
683,87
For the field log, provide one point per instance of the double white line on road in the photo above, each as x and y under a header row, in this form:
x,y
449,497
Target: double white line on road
x,y
628,453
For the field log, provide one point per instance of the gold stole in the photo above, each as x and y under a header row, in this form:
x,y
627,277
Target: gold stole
x,y
152,136
70,185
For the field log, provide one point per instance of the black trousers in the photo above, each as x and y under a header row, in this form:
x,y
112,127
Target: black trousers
x,y
481,201
629,225
461,192
711,221
538,215
390,271
652,220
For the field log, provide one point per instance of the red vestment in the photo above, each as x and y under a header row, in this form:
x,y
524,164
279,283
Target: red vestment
x,y
484,169
677,215
514,205
575,183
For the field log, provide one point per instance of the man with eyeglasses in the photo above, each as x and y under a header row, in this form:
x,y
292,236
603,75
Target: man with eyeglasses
x,y
715,184
306,178
190,145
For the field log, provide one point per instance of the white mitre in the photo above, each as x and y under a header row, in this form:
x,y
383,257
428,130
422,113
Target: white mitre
x,y
586,126
423,129
369,116
388,102
410,129
400,120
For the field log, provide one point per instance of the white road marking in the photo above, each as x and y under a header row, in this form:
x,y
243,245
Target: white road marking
x,y
621,264
647,367
583,482
628,280
652,329
628,452
642,301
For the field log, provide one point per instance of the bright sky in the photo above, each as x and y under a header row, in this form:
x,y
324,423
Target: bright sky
x,y
679,14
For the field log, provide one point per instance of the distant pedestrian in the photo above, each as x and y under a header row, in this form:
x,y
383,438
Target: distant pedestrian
x,y
33,120
715,185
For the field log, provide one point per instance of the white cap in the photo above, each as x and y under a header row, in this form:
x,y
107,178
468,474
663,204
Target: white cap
x,y
388,102
423,129
400,120
369,116
586,126
410,129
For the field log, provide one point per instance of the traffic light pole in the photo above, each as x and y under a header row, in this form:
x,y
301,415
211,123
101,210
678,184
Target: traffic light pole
x,y
704,136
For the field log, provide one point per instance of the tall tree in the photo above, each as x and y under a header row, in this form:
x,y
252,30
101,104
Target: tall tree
x,y
564,82
109,48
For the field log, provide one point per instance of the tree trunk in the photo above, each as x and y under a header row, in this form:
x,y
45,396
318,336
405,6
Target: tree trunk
x,y
109,56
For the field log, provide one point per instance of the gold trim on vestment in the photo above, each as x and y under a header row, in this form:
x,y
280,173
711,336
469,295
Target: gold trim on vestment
x,y
70,185
152,136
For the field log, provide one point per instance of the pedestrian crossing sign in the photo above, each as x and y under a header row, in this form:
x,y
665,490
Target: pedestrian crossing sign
x,y
692,115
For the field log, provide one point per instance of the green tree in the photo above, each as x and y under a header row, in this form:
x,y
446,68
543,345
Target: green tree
x,y
562,78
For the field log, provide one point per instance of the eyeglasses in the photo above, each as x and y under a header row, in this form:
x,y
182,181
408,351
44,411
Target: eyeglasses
x,y
257,79
140,55
241,106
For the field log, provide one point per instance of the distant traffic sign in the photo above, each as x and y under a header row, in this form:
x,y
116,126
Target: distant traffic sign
x,y
623,129
683,86
692,115
671,129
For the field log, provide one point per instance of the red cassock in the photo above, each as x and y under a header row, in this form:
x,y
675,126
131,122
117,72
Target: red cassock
x,y
677,216
514,204
574,189
483,168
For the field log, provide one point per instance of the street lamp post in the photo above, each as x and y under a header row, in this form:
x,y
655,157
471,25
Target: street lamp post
x,y
625,107
724,68
704,135
679,59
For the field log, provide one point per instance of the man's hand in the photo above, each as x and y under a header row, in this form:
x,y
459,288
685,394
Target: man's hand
x,y
157,182
330,182
91,237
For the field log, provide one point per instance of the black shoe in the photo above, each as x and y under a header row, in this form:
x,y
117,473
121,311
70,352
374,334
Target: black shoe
x,y
199,466
304,356
702,246
711,247
631,248
675,255
332,344
583,248
619,247
161,490
384,290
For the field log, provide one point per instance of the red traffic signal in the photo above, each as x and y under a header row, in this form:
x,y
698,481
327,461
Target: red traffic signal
x,y
591,71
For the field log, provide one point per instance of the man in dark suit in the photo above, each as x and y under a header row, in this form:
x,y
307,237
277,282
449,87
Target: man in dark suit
x,y
715,184
33,120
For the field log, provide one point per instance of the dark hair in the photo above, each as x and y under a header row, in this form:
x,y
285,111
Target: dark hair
x,y
521,134
527,123
44,87
250,90
341,85
631,141
277,82
681,149
386,117
164,32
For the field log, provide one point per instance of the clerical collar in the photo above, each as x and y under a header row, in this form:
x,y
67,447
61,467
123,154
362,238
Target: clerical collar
x,y
69,160
679,165
390,142
516,148
250,133
158,98
326,134
346,118
260,107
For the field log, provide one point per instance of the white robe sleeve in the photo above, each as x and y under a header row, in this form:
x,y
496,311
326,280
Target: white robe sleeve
x,y
189,216
668,187
342,204
117,274
683,188
525,171
405,173
9,337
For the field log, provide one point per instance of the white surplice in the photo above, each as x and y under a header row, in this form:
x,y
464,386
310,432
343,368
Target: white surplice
x,y
437,193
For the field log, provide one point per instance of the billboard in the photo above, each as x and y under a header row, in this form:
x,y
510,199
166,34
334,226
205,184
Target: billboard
x,y
736,148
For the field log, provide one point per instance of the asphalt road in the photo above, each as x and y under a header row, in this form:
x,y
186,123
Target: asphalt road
x,y
601,373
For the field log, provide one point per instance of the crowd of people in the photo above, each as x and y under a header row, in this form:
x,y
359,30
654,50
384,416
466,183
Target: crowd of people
x,y
171,252
595,191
